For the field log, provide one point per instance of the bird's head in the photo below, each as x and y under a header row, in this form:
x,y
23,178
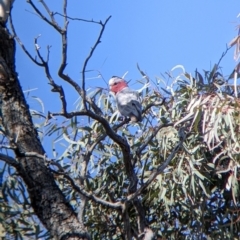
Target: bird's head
x,y
116,84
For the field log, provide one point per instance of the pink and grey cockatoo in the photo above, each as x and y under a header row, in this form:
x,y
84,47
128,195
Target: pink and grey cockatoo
x,y
128,101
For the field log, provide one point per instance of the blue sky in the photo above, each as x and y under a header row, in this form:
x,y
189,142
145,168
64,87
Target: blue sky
x,y
157,35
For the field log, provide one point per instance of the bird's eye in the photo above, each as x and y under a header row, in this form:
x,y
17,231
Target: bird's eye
x,y
115,83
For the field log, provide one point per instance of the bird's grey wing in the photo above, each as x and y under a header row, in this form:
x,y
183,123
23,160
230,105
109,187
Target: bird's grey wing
x,y
137,109
132,108
126,95
128,103
136,104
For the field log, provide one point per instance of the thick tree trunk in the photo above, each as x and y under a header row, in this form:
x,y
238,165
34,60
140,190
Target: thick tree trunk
x,y
47,200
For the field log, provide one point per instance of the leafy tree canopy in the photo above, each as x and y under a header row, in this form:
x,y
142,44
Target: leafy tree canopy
x,y
174,175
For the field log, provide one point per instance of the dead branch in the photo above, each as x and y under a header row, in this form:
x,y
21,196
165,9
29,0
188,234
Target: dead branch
x,y
51,23
78,19
21,44
98,41
9,160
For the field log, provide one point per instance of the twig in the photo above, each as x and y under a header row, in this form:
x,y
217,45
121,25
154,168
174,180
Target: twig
x,y
63,32
78,19
7,147
144,145
64,54
56,87
88,58
109,131
94,106
21,44
88,194
153,104
53,24
223,55
103,136
65,12
51,15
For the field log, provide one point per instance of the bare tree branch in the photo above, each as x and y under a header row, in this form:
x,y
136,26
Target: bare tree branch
x,y
21,44
103,136
65,13
56,87
122,142
153,104
64,54
9,160
223,54
88,58
109,131
78,19
89,195
51,15
51,23
63,33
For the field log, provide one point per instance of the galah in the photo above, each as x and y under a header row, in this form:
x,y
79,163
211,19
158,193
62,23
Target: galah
x,y
128,101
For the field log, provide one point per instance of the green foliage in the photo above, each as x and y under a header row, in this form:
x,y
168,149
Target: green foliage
x,y
17,219
177,202
195,197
